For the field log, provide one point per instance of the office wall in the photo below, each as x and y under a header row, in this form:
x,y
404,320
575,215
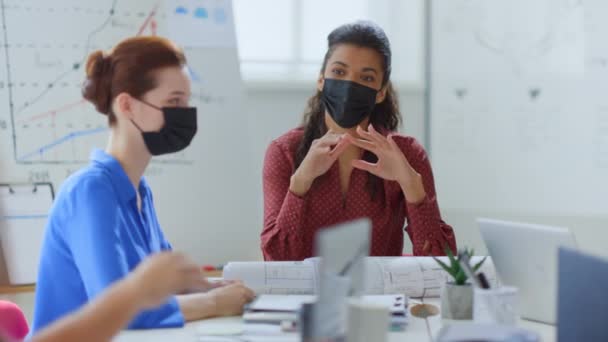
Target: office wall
x,y
275,108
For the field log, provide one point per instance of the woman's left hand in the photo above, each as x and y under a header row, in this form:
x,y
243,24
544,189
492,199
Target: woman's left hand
x,y
391,165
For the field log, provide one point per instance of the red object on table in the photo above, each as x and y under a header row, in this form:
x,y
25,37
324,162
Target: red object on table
x,y
209,268
12,323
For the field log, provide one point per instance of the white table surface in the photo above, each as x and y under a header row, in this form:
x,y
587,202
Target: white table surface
x,y
417,330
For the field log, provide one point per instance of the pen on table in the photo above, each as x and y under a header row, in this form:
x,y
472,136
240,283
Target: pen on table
x,y
480,282
483,280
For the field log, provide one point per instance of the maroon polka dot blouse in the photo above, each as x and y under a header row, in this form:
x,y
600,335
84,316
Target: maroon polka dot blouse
x,y
290,221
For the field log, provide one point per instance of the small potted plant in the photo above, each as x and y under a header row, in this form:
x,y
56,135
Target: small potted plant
x,y
457,296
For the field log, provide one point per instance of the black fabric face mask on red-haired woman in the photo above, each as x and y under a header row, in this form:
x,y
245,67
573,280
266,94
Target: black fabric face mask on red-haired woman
x,y
176,134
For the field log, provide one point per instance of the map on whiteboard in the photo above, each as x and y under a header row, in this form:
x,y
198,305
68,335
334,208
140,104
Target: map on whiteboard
x,y
42,68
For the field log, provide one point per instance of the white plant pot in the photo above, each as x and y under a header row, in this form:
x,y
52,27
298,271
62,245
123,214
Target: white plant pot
x,y
457,302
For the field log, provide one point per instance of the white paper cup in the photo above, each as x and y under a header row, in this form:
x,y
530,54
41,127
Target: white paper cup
x,y
499,305
367,322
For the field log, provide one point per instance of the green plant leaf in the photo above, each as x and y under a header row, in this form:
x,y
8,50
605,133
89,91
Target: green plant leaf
x,y
455,265
478,265
445,267
461,278
448,252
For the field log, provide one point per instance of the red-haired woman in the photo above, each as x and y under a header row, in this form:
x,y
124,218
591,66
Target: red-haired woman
x,y
103,222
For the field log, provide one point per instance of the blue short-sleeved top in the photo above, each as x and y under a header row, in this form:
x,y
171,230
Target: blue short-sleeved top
x,y
95,236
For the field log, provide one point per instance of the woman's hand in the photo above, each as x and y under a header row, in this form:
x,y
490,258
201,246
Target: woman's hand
x,y
164,274
320,157
391,165
230,300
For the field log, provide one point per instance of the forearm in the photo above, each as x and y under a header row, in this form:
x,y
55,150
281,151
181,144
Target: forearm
x,y
413,188
429,234
285,192
299,184
99,320
196,306
284,237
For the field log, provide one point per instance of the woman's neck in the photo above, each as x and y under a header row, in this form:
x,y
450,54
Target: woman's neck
x,y
351,153
131,157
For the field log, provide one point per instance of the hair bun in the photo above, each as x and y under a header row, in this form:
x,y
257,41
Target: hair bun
x,y
96,88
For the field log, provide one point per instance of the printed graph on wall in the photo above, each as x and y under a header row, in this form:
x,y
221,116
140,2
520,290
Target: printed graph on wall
x,y
42,69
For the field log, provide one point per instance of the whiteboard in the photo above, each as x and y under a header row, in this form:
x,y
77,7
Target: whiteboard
x,y
519,106
47,131
23,213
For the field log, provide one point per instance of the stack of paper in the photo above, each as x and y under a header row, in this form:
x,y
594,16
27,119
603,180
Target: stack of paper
x,y
276,309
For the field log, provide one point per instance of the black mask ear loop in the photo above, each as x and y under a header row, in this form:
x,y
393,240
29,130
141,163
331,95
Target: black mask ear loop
x,y
136,125
148,104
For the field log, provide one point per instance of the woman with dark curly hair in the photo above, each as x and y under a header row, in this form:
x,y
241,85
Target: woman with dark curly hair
x,y
347,161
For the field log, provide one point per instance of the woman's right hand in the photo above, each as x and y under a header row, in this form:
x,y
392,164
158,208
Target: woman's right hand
x,y
230,300
321,156
163,274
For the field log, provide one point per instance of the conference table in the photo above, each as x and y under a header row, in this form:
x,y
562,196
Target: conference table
x,y
232,329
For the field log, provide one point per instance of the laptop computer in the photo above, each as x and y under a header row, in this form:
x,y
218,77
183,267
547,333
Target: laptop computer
x,y
583,299
342,249
525,256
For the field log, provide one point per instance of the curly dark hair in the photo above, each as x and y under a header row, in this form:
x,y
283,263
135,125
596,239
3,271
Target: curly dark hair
x,y
385,115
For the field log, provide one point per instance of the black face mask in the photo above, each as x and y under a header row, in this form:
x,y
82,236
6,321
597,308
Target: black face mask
x,y
177,132
348,102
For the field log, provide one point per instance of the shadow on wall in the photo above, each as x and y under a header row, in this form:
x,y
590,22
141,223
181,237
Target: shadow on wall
x,y
3,269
